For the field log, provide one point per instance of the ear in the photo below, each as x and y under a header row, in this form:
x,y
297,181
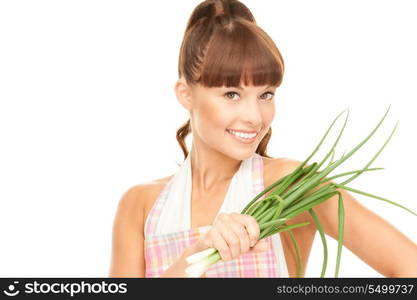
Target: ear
x,y
183,93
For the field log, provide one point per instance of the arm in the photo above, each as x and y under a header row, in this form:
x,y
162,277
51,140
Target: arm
x,y
127,242
373,239
128,237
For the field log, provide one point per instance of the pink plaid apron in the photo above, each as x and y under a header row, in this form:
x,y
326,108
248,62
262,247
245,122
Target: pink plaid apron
x,y
161,250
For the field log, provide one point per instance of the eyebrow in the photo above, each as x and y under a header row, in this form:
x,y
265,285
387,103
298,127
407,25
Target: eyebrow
x,y
241,88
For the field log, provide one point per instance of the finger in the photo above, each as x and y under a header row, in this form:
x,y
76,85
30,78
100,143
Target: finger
x,y
202,244
250,224
261,246
240,230
220,244
231,239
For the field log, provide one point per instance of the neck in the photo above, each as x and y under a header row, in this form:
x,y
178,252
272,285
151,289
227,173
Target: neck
x,y
211,168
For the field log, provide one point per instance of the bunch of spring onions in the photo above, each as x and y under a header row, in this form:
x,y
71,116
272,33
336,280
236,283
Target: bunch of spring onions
x,y
297,193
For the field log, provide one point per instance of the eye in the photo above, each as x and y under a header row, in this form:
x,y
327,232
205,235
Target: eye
x,y
230,93
234,93
271,93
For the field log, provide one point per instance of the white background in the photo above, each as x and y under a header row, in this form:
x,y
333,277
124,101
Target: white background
x,y
87,110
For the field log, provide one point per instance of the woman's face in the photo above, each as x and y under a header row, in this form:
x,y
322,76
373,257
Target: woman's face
x,y
220,114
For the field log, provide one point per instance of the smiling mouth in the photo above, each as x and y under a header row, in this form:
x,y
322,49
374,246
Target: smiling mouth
x,y
243,137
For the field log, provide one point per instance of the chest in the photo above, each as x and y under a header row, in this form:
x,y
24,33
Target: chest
x,y
205,207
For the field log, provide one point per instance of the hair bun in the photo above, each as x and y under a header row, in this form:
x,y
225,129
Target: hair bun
x,y
228,9
223,19
220,12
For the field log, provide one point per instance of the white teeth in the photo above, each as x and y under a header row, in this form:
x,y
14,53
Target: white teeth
x,y
243,135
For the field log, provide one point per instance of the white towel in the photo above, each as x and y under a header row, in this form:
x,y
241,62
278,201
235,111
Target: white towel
x,y
176,213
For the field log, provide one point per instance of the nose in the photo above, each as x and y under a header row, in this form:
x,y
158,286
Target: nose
x,y
251,114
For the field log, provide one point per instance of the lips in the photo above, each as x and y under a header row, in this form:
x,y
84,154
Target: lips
x,y
243,140
243,131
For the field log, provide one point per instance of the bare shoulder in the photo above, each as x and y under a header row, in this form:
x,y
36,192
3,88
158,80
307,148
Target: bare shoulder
x,y
128,235
149,188
276,168
142,196
280,161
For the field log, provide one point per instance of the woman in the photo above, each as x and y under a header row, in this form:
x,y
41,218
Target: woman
x,y
229,70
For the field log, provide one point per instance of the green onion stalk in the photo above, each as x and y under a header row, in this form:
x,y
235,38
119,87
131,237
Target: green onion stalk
x,y
300,191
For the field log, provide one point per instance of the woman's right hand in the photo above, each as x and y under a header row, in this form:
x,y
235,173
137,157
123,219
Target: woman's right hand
x,y
232,234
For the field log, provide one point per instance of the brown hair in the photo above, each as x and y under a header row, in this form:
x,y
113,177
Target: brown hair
x,y
222,46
